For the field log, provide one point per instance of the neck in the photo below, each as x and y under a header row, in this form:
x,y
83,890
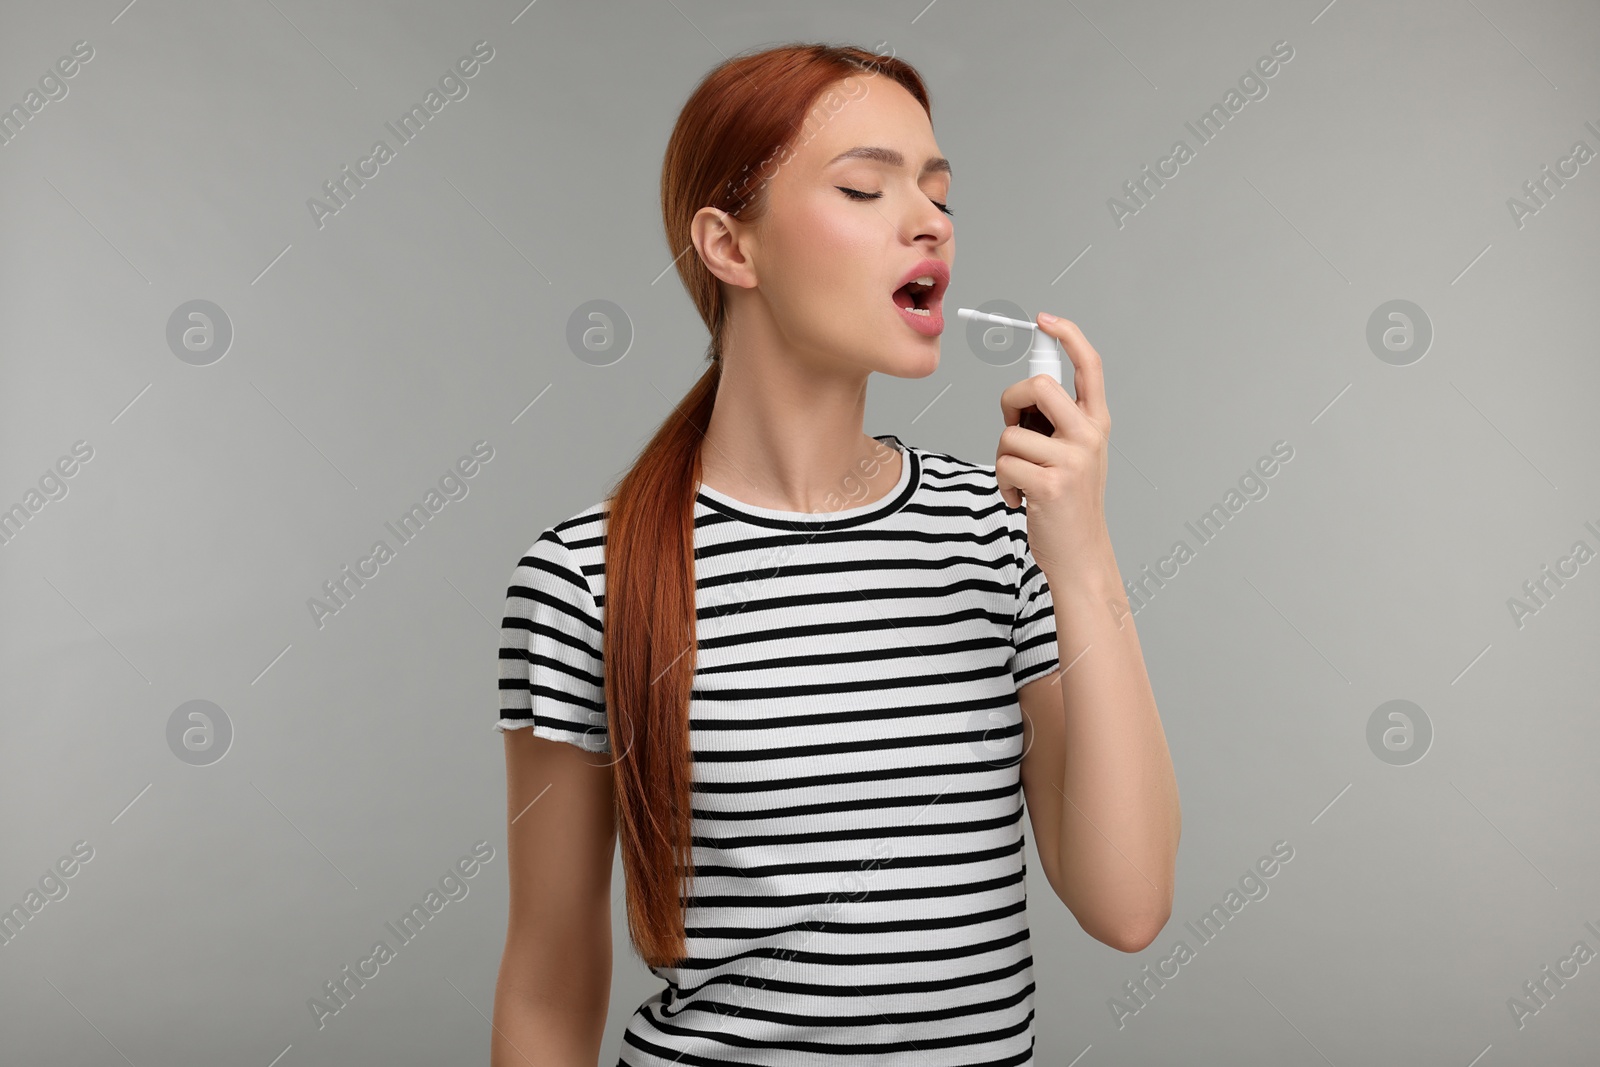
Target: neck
x,y
786,435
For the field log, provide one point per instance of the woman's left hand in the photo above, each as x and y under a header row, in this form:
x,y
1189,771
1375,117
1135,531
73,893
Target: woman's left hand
x,y
1063,476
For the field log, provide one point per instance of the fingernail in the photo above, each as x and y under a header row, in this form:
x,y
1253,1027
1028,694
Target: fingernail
x,y
1045,316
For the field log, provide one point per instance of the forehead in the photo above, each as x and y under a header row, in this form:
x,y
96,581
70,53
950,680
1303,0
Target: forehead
x,y
872,121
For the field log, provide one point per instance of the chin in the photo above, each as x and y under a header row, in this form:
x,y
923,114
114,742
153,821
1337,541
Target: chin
x,y
918,359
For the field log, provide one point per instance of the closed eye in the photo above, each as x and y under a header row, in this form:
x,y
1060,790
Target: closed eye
x,y
857,194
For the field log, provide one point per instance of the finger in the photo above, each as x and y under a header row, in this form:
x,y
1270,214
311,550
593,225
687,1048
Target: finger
x,y
1019,444
1033,447
1088,378
1017,476
1017,396
1053,400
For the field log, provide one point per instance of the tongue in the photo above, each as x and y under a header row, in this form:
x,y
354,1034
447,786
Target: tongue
x,y
902,298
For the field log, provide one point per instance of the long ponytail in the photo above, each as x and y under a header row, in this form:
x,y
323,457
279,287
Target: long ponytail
x,y
735,130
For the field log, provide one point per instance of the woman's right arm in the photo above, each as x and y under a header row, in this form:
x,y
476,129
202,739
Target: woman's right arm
x,y
555,974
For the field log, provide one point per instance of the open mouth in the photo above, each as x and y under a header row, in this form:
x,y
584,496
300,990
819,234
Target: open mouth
x,y
917,296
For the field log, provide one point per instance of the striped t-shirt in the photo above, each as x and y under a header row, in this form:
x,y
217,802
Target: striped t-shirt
x,y
859,893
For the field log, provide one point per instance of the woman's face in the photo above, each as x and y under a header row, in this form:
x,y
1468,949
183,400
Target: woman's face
x,y
827,262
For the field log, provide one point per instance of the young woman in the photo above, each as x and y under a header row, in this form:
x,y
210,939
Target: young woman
x,y
808,676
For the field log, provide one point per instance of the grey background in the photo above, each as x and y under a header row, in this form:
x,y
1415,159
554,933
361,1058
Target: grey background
x,y
368,355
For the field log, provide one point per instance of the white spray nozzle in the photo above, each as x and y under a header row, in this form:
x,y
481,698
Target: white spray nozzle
x,y
1044,356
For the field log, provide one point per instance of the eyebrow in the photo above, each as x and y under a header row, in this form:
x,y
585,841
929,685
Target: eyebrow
x,y
934,165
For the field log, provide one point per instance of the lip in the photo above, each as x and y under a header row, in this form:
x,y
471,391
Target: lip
x,y
931,324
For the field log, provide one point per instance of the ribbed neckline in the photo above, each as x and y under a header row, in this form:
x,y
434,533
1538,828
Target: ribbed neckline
x,y
910,478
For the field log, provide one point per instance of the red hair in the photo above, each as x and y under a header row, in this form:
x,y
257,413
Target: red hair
x,y
736,128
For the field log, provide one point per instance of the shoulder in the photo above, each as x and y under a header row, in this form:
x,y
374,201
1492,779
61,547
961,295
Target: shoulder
x,y
948,464
945,472
582,533
572,549
955,482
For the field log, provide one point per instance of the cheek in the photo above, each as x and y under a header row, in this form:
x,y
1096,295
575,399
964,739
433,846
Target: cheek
x,y
834,253
850,229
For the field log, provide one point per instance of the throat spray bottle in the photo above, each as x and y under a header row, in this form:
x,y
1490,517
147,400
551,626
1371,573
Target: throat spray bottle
x,y
1044,357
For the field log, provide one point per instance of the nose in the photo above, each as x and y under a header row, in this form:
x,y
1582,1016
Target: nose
x,y
931,223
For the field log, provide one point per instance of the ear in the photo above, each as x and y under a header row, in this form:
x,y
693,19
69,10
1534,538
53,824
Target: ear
x,y
721,239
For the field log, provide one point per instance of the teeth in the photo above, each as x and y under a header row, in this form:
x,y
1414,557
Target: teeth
x,y
917,311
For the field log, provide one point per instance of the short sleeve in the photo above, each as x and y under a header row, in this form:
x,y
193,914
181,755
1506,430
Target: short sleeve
x,y
1034,652
551,679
